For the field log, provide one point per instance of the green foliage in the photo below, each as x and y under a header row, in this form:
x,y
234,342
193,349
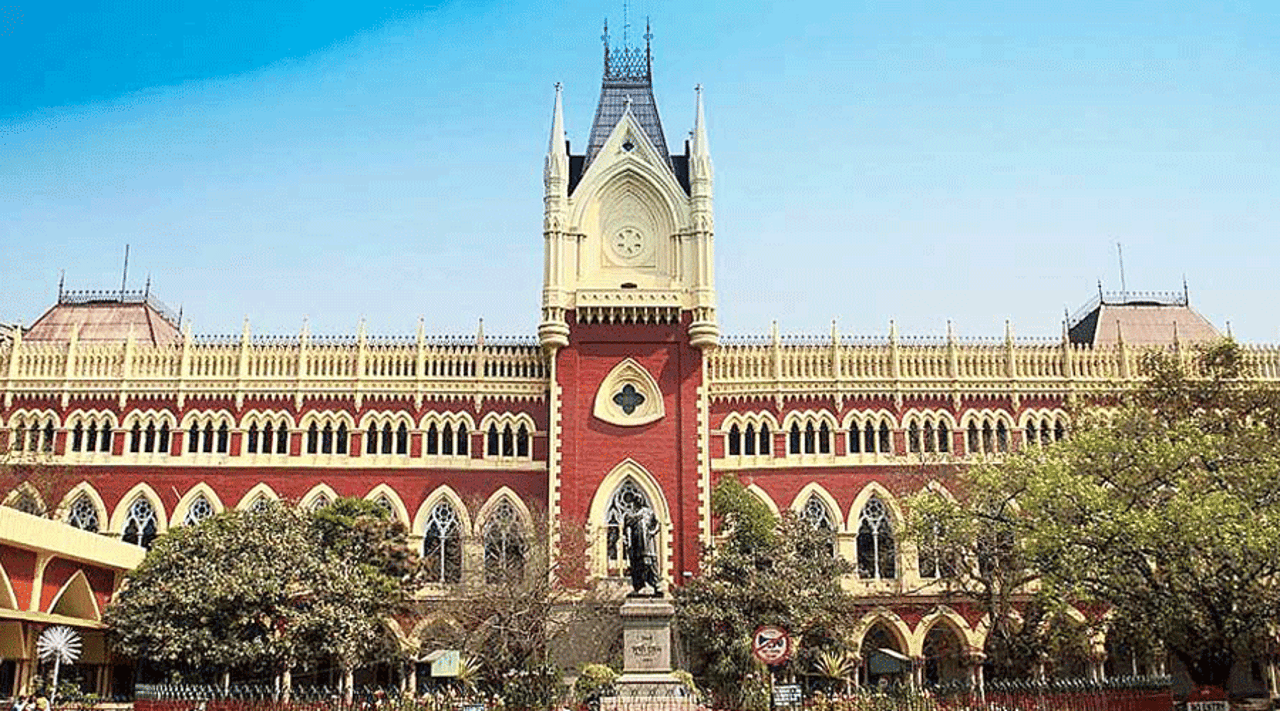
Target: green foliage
x,y
1164,506
260,589
595,681
785,576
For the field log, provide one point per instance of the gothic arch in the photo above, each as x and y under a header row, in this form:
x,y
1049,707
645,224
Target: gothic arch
x,y
628,469
85,489
76,599
875,489
526,517
444,492
312,497
25,489
944,616
121,512
890,620
149,415
767,500
8,599
642,174
189,498
815,489
629,373
259,490
398,510
385,417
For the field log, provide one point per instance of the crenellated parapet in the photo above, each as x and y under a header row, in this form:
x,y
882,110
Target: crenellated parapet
x,y
301,367
791,368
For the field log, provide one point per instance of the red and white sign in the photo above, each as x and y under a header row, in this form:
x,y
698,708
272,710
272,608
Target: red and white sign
x,y
771,644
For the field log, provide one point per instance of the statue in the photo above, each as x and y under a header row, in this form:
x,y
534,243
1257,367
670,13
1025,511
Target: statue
x,y
640,527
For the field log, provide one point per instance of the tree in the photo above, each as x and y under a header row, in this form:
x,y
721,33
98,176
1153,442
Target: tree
x,y
1163,507
267,588
761,571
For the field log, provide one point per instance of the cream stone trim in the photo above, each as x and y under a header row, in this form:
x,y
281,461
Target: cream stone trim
x,y
890,619
497,497
767,500
386,417
704,458
80,598
921,415
554,460
8,598
833,508
54,538
440,419
944,616
444,492
262,417
144,417
628,469
84,488
193,493
1054,415
215,417
251,496
327,417
308,499
15,495
629,372
398,509
897,518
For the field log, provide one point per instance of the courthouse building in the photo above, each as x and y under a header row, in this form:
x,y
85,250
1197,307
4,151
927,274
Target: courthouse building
x,y
628,389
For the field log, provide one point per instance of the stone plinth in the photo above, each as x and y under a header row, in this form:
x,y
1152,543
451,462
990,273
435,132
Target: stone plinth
x,y
646,659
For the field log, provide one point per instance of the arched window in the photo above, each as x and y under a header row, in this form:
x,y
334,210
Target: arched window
x,y
886,445
371,440
442,545
135,438
794,440
386,438
1002,437
320,502
199,510
83,514
140,525
402,439
433,439
251,439
77,437
876,549
765,439
504,545
492,450
463,436
824,439
446,440
748,445
522,441
735,441
974,444
627,497
817,514
385,504
914,444
207,445
944,437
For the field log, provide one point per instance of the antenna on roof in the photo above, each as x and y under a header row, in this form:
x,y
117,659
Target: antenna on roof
x,y
1124,290
124,278
62,280
626,22
146,292
1186,295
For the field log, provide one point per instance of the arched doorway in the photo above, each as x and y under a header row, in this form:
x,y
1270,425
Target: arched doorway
x,y
943,655
885,662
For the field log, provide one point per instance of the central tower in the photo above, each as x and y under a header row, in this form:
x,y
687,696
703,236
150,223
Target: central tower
x,y
628,307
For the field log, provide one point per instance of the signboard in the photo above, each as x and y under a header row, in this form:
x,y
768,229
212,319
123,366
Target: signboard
x,y
787,695
444,662
771,644
1208,706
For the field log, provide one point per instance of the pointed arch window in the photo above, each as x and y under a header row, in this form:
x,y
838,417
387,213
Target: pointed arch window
x,y
735,441
251,440
402,439
626,498
522,441
433,439
199,510
83,514
140,525
319,502
492,450
817,514
504,545
877,550
914,442
135,438
384,503
793,442
77,437
463,438
446,440
442,545
824,439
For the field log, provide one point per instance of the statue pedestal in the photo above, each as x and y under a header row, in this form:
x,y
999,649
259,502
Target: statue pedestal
x,y
646,659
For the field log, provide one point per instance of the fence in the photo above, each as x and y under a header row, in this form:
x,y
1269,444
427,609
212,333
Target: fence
x,y
1126,694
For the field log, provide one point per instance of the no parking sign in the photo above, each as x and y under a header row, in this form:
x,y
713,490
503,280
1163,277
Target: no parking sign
x,y
771,644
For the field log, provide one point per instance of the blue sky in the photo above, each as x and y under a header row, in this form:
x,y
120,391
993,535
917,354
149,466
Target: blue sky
x,y
916,161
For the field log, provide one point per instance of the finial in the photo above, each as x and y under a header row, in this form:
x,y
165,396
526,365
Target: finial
x,y
360,329
1008,331
306,328
1229,329
62,279
773,331
835,333
146,291
626,103
245,332
480,333
951,332
1186,295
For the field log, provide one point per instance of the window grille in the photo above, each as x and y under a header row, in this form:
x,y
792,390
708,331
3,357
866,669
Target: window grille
x,y
83,514
876,546
140,525
504,545
199,510
442,545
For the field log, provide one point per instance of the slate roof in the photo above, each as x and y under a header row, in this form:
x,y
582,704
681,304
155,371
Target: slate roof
x,y
628,74
106,318
1148,320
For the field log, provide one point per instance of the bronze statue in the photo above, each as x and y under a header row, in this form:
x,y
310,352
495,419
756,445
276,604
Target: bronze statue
x,y
640,527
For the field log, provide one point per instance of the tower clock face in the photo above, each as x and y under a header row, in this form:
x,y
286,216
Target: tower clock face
x,y
628,243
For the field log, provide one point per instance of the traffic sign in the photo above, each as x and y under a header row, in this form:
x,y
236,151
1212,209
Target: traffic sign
x,y
771,644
